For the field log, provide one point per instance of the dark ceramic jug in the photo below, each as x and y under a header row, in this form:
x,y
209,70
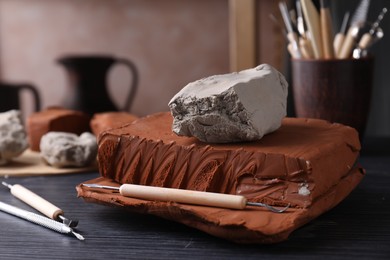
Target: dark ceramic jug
x,y
10,96
87,79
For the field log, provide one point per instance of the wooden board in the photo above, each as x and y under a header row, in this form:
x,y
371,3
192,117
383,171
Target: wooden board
x,y
30,163
242,30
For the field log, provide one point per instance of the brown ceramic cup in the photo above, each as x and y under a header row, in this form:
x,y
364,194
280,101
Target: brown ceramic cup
x,y
334,90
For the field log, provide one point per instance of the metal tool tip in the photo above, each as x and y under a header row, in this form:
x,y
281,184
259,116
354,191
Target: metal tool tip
x,y
6,184
273,209
69,222
270,208
79,236
91,185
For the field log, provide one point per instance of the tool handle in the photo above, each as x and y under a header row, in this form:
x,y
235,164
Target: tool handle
x,y
349,42
292,51
306,49
326,33
313,25
338,43
365,41
35,218
293,39
36,201
183,196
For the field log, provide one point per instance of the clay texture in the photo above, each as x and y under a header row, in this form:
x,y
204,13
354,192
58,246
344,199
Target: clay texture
x,y
55,119
107,120
309,164
234,107
61,149
13,139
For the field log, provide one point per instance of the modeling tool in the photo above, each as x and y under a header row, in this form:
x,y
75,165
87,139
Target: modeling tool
x,y
326,29
363,52
185,196
291,35
306,49
313,23
304,40
369,38
357,21
340,36
39,204
300,21
39,220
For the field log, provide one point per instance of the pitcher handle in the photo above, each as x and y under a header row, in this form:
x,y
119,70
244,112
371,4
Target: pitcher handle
x,y
133,83
34,93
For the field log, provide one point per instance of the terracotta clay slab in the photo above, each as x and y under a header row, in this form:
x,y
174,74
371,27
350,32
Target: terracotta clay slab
x,y
309,164
252,225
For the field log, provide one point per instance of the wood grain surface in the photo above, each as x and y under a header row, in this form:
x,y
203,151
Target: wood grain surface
x,y
358,228
30,163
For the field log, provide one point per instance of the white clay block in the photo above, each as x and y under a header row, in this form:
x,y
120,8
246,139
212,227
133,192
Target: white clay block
x,y
234,107
13,138
61,149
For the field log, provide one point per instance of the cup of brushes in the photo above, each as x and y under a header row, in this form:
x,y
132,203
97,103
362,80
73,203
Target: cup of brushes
x,y
332,74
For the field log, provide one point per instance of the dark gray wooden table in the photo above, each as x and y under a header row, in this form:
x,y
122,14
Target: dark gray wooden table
x,y
358,228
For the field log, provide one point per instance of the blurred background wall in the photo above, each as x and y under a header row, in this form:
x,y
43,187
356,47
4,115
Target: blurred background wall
x,y
172,42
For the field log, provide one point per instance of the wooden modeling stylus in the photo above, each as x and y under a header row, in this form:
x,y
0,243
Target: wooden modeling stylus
x,y
326,29
211,199
357,20
304,41
313,24
368,38
39,220
340,36
292,36
40,204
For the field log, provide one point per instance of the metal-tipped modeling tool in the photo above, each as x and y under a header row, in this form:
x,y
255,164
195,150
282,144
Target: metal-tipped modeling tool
x,y
369,38
360,14
39,204
340,36
291,34
305,44
185,196
39,220
358,18
300,20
